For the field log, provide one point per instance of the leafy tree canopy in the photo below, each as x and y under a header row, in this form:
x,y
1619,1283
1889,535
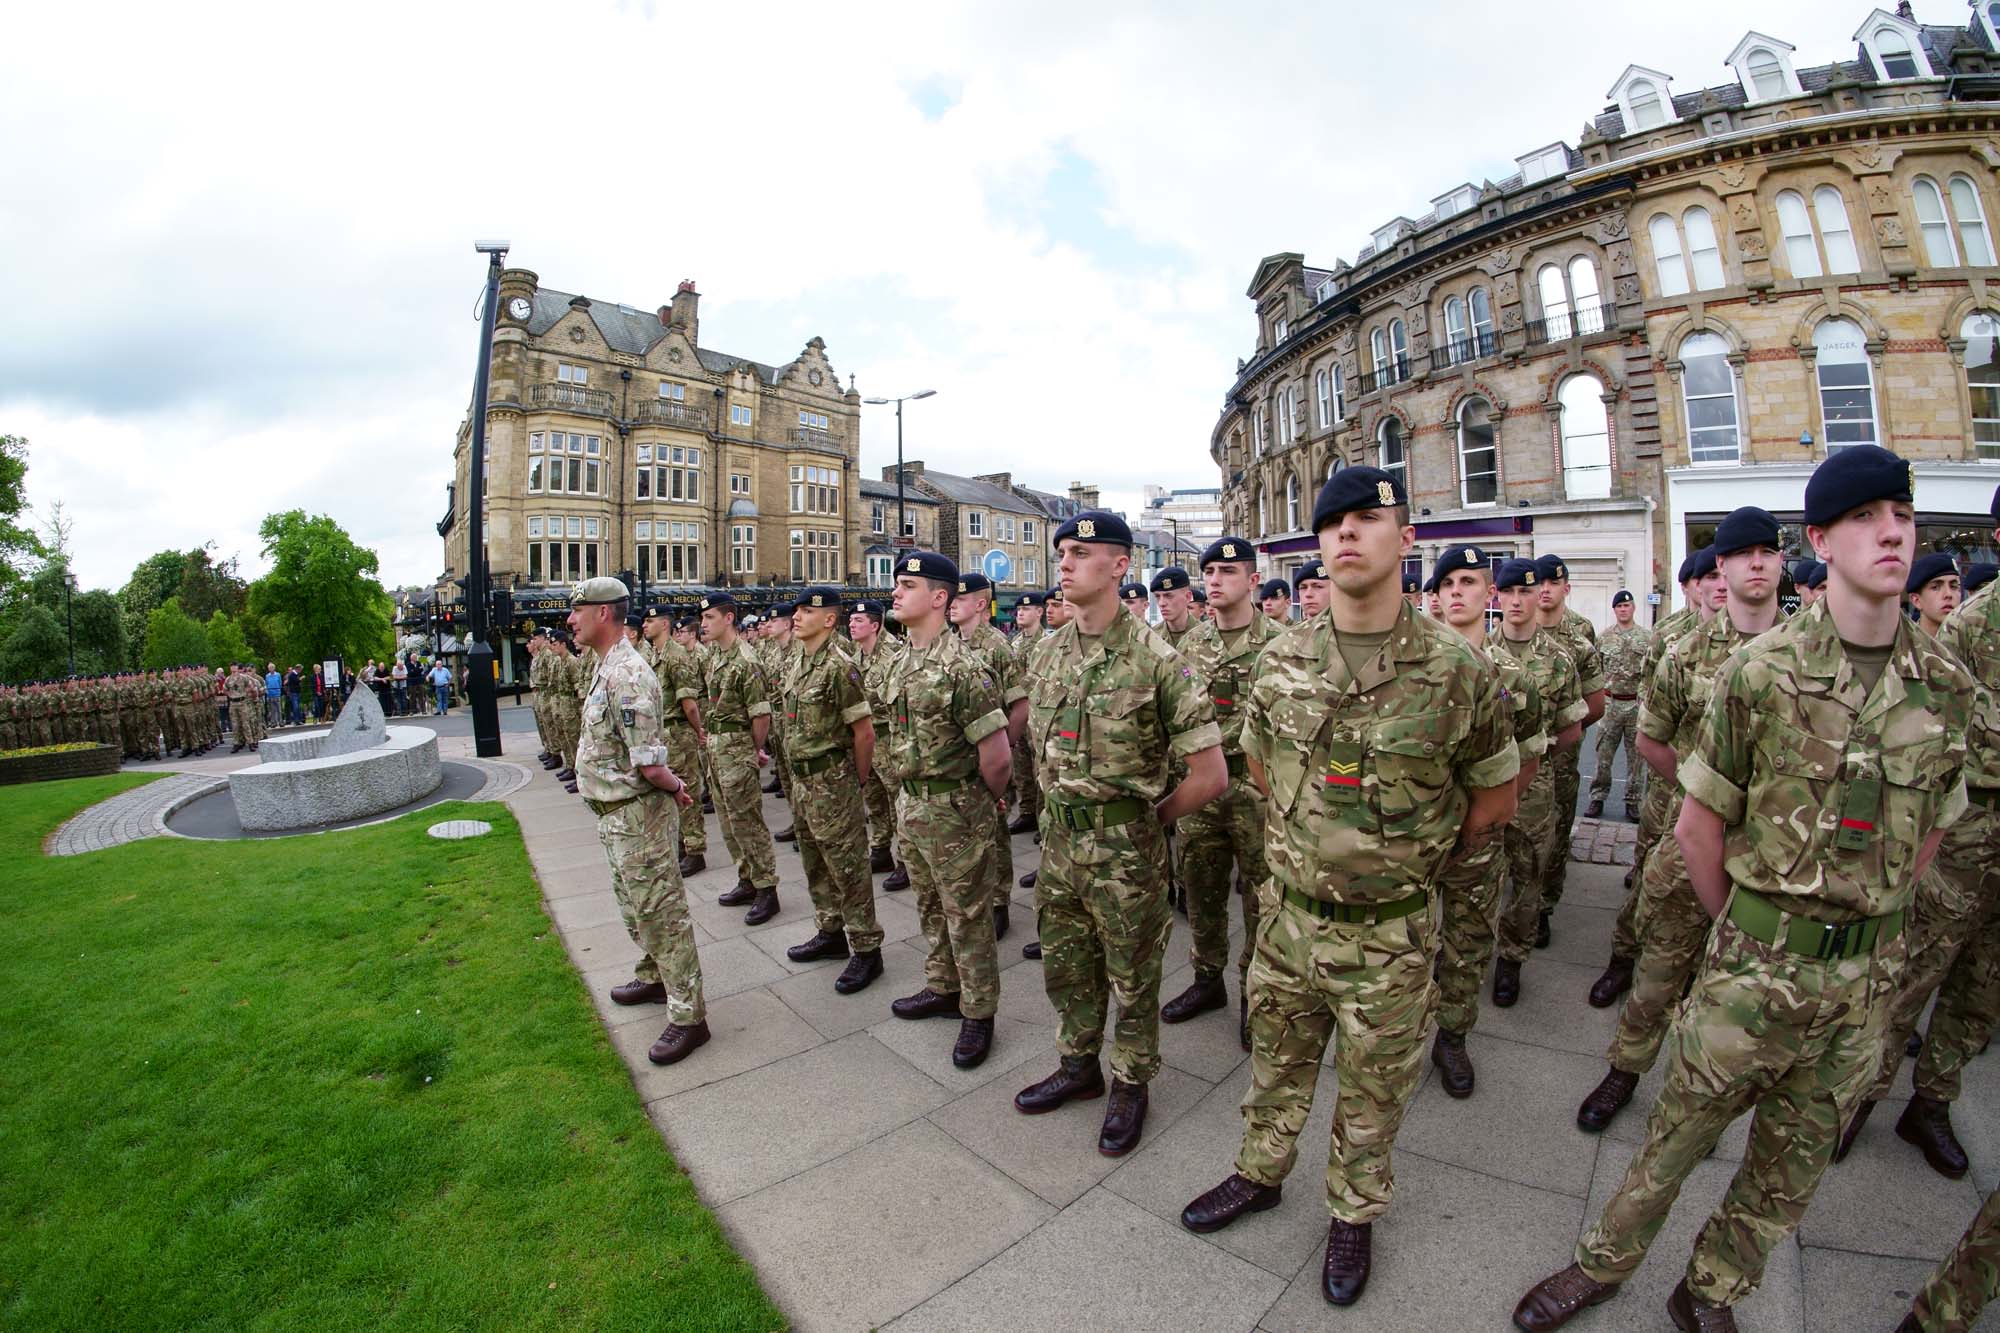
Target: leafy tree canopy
x,y
322,595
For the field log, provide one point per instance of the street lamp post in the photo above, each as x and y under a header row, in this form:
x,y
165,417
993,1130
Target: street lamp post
x,y
902,525
69,614
479,656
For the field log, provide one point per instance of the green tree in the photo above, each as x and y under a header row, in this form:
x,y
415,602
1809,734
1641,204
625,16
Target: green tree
x,y
226,643
100,633
37,649
153,581
208,585
19,546
172,638
322,595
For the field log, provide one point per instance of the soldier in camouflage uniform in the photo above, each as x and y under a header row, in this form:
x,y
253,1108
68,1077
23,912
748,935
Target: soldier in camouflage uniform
x,y
769,651
1960,1287
1055,614
1671,922
1580,637
1227,834
1112,703
832,733
680,688
1028,614
1469,892
562,703
949,738
623,776
1933,590
1387,751
971,614
1830,762
1624,650
1313,588
1528,841
539,660
582,675
879,650
1173,594
242,704
1955,934
736,714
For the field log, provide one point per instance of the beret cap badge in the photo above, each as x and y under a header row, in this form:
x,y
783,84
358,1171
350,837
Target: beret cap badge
x,y
1385,492
1087,528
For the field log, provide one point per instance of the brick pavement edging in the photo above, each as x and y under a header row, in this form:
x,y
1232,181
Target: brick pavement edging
x,y
1604,842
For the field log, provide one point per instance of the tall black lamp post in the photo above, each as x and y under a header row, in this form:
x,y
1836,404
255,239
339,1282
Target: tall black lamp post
x,y
902,525
479,656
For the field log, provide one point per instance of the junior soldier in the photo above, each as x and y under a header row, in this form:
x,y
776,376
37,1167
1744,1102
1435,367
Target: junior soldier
x,y
970,614
1173,593
1133,595
737,717
1955,939
1028,615
1056,614
1580,637
1933,590
1672,924
878,649
1227,834
1624,650
622,775
1470,892
1276,599
949,738
1413,592
1113,703
1312,587
1386,750
1800,571
1829,765
680,693
832,734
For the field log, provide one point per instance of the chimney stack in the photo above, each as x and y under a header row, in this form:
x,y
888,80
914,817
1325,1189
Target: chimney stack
x,y
1084,496
683,314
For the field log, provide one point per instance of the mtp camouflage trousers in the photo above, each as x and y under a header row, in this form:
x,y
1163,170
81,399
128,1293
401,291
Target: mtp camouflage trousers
x,y
684,756
948,848
1529,836
1468,894
833,846
1673,926
1959,1288
1101,897
739,807
639,838
1620,726
1567,781
1225,834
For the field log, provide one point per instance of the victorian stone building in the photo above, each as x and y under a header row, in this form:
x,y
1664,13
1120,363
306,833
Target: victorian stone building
x,y
1683,312
618,443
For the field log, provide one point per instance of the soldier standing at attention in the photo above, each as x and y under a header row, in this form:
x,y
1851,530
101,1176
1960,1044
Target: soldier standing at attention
x,y
832,731
969,613
878,650
1955,937
1799,570
737,718
1527,843
1312,587
1228,833
623,776
1580,637
1173,593
1933,590
680,690
1624,648
1276,598
1672,924
1829,766
1387,751
1113,703
949,737
1470,891
1027,792
1413,592
772,647
1056,614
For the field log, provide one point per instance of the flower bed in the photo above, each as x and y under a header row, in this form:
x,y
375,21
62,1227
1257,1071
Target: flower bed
x,y
46,763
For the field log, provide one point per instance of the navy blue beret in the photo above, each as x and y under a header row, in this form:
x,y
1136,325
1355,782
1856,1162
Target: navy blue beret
x,y
783,610
1551,569
1411,583
715,599
1687,568
1799,570
1816,576
635,619
1275,588
1055,594
1094,525
1201,594
1852,478
973,581
1703,562
1170,578
1516,573
1132,592
1977,577
1233,549
1935,565
1454,558
928,565
1621,597
1354,488
1744,528
869,607
818,596
1032,599
1314,568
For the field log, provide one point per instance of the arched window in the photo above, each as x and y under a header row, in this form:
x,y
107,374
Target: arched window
x,y
1667,259
1323,397
1645,100
1389,450
1801,253
1892,49
1478,454
1704,255
1482,322
1708,385
1399,348
1260,428
1981,332
1292,523
1830,211
1583,294
1339,393
1263,513
1973,238
1555,302
1378,351
1570,300
1819,241
1933,223
1846,384
1767,75
1455,331
1586,438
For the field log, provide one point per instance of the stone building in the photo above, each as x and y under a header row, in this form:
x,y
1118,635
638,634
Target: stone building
x,y
879,506
616,442
1622,340
984,524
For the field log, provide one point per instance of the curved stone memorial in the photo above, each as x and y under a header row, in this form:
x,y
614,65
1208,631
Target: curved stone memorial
x,y
359,766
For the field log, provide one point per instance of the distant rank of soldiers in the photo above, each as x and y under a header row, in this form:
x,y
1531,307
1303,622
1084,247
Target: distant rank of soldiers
x,y
169,713
1384,799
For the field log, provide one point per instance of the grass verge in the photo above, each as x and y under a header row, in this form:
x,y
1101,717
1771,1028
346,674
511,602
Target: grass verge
x,y
341,1081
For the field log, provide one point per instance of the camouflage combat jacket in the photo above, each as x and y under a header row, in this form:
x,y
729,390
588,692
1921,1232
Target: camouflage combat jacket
x,y
679,677
1972,635
621,728
1369,774
990,646
1827,792
1179,640
940,702
823,698
1624,649
1227,671
1106,714
1580,637
1665,635
1674,707
735,690
1551,671
1532,732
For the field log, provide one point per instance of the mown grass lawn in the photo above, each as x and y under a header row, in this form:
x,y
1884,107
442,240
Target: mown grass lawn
x,y
330,1082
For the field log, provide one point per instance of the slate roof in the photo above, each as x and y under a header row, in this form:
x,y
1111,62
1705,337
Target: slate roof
x,y
631,331
886,490
967,491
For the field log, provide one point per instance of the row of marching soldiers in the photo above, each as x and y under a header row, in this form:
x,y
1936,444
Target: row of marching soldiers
x,y
147,714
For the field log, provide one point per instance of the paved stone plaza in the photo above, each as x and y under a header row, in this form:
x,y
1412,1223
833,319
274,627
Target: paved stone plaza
x,y
871,1183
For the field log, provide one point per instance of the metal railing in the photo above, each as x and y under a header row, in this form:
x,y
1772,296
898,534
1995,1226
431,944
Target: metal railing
x,y
1580,324
1395,372
805,437
667,412
1476,348
576,398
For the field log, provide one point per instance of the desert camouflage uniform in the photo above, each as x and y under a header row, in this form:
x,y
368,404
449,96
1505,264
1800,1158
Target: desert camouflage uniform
x,y
1959,1288
1671,922
1368,774
878,798
1528,840
680,679
1955,930
1228,832
940,702
1469,893
636,823
735,696
1826,792
824,699
990,648
1624,649
1580,637
1106,715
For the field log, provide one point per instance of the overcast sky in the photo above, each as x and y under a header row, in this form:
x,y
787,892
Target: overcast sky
x,y
235,241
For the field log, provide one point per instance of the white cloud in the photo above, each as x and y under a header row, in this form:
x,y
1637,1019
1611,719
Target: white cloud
x,y
235,242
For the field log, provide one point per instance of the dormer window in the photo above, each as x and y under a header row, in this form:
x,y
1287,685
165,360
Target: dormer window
x,y
1646,112
1645,96
1464,197
1764,67
1543,163
1894,46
